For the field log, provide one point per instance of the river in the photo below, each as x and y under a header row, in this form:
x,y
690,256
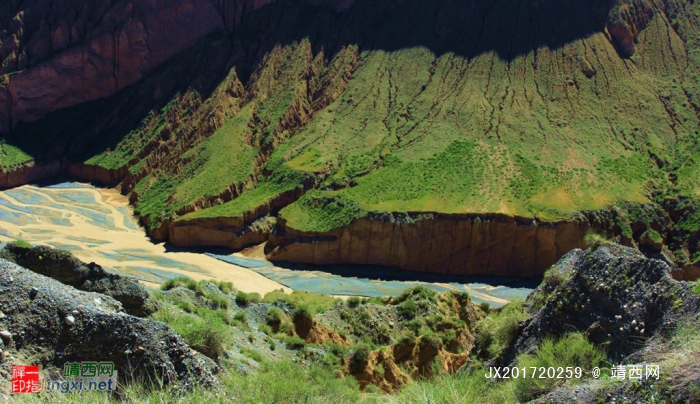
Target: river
x,y
97,225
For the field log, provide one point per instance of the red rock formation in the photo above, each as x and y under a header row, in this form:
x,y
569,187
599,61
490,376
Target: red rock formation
x,y
29,173
78,51
626,21
218,232
93,173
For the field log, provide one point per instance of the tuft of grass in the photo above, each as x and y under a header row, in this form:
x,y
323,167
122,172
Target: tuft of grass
x,y
593,240
207,331
245,299
183,281
303,313
21,243
496,331
354,301
274,316
361,353
571,350
293,342
241,318
185,306
219,301
252,354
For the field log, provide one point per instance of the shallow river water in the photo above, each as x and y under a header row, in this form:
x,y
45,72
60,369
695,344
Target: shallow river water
x,y
97,225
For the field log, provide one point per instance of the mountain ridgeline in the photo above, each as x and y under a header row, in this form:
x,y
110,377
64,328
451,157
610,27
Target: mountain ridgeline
x,y
460,137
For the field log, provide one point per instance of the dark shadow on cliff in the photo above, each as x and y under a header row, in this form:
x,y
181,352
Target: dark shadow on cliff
x,y
77,133
510,28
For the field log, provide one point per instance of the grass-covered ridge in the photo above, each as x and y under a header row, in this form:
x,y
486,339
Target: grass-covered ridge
x,y
408,118
409,132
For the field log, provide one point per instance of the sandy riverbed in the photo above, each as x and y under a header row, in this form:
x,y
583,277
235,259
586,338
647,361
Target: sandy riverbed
x,y
97,226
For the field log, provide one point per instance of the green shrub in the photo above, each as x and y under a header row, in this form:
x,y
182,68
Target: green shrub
x,y
303,313
354,301
316,302
408,309
244,299
183,281
417,293
274,316
293,342
485,307
361,353
241,318
287,328
224,287
186,306
416,325
218,300
206,331
571,350
592,239
497,330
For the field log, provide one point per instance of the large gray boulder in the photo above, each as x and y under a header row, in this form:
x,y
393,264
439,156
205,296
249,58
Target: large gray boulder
x,y
65,268
614,294
36,312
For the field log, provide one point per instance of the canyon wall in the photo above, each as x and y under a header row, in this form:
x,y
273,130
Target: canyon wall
x,y
30,173
57,55
498,245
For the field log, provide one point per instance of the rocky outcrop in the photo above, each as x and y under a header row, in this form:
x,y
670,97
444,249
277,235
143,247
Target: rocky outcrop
x,y
626,20
100,175
614,294
65,268
389,369
69,325
219,232
238,232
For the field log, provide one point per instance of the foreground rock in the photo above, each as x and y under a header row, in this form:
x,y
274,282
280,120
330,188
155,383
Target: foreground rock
x,y
65,268
60,324
614,294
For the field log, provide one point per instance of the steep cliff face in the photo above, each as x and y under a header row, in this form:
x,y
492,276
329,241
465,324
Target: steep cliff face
x,y
448,244
29,173
498,245
66,53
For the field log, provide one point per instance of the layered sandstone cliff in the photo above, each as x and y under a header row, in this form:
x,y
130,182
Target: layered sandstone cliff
x,y
498,245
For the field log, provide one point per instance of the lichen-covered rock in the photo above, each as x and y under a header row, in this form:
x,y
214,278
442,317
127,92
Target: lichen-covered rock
x,y
140,348
614,294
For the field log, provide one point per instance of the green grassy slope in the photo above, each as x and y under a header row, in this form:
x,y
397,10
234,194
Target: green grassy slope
x,y
509,110
417,131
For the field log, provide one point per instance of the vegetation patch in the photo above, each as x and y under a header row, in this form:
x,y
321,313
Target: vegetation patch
x,y
314,302
498,329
